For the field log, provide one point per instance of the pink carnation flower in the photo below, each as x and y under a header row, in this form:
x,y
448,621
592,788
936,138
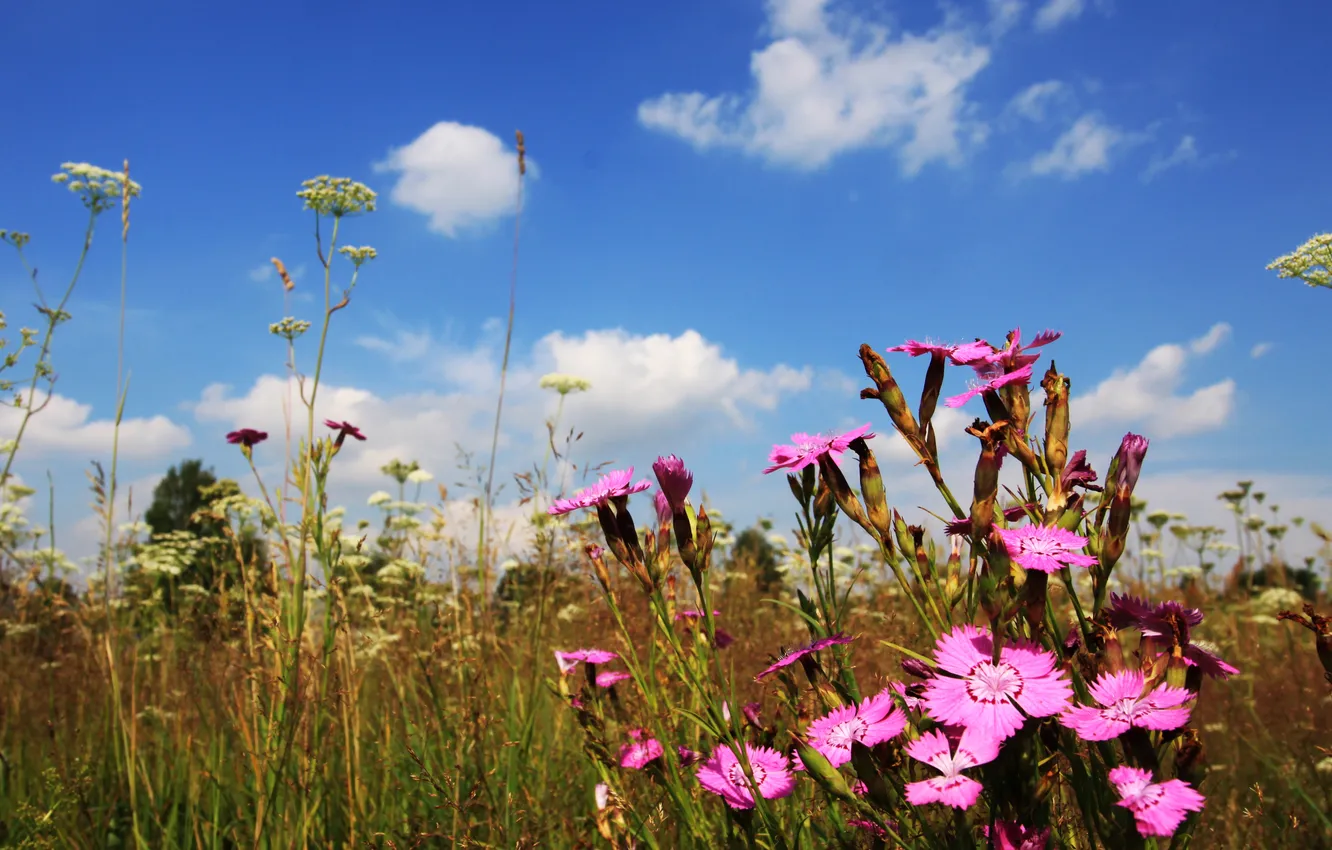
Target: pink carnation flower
x,y
723,775
1168,621
641,750
1158,808
1013,355
809,448
975,747
962,354
991,384
611,677
912,701
1126,705
569,660
1045,548
674,478
611,485
1011,835
795,655
981,694
875,720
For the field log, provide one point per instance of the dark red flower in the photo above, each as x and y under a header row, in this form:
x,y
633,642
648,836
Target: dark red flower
x,y
345,430
247,437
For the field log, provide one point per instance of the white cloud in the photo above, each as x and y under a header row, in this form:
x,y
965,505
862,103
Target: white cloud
x,y
66,426
461,176
1004,15
1207,343
949,426
831,83
1185,153
1031,102
1147,395
1086,146
262,274
1058,12
646,391
1260,349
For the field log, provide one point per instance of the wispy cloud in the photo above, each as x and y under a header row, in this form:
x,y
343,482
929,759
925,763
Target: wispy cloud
x,y
1031,103
1207,343
1260,349
1087,146
1185,153
1056,13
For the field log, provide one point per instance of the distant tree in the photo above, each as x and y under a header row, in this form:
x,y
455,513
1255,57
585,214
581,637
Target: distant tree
x,y
753,554
177,496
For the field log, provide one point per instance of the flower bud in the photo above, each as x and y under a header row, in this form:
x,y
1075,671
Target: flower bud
x,y
986,486
1056,388
704,534
829,778
872,491
929,394
889,394
596,554
836,482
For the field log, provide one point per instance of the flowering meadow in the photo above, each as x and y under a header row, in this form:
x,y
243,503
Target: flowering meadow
x,y
1040,659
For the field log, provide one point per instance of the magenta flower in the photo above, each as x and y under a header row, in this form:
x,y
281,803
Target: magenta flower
x,y
688,757
1169,621
875,720
663,508
642,749
961,355
991,384
247,437
674,479
345,430
1126,705
809,448
1158,808
974,747
612,485
1078,471
692,614
610,677
723,775
981,695
796,654
1011,835
1013,355
1131,452
912,701
868,825
569,660
1045,548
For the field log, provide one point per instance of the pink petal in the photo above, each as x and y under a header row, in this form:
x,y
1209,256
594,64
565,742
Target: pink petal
x,y
957,791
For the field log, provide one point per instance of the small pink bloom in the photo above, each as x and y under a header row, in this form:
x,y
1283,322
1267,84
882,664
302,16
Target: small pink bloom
x,y
601,793
974,747
1126,705
688,757
868,825
1078,471
611,677
723,775
875,720
809,448
908,695
692,614
1132,451
674,478
962,354
1045,548
1171,622
641,750
569,660
1158,808
724,639
1013,355
1011,835
981,695
992,384
612,485
345,430
247,437
663,507
795,655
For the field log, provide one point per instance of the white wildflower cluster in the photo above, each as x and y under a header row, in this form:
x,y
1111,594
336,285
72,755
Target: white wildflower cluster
x,y
48,559
15,238
289,328
379,497
358,256
1311,262
419,476
564,384
400,571
336,196
1274,600
375,642
167,554
99,188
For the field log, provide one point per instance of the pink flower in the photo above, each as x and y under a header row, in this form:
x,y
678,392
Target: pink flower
x,y
1126,705
674,479
868,825
612,485
611,677
981,694
912,701
975,747
723,775
1169,621
1078,471
1045,548
875,720
991,384
1158,808
1011,835
641,750
345,430
692,615
569,660
1013,355
809,448
1132,450
663,508
247,437
795,655
962,354
688,757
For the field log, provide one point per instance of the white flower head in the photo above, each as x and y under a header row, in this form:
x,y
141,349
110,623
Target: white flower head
x,y
379,497
564,384
419,476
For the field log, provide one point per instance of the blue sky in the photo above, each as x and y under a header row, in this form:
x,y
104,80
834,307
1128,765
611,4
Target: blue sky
x,y
729,197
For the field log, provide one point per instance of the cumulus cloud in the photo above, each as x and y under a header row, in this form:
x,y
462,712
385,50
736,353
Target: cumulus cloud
x,y
460,176
66,426
1055,13
1085,147
829,83
1031,103
1148,395
644,390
